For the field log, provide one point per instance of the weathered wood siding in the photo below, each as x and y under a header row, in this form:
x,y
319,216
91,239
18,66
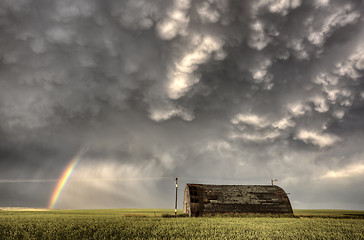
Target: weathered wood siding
x,y
200,199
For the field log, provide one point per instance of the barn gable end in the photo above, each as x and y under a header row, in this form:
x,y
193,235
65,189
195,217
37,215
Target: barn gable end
x,y
202,199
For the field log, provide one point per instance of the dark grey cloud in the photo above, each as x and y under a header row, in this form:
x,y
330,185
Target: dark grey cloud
x,y
212,91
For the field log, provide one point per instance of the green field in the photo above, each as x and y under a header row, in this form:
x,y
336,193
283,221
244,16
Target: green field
x,y
148,224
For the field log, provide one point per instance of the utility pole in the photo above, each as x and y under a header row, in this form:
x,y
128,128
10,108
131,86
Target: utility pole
x,y
175,204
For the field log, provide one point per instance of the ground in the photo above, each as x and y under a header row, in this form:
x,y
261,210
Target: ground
x,y
150,224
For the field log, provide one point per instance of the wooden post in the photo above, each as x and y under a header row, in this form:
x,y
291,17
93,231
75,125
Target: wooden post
x,y
273,180
175,204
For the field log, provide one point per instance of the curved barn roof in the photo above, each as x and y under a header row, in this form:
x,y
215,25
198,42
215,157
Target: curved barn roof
x,y
200,199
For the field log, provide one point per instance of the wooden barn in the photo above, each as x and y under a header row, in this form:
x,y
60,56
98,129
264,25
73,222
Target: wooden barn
x,y
200,199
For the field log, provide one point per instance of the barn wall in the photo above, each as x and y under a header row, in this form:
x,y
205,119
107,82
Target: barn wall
x,y
201,199
187,202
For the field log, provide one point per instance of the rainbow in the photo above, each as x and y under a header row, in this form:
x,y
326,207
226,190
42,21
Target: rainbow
x,y
64,178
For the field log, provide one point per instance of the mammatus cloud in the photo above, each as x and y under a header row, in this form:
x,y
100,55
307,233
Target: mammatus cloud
x,y
250,119
176,20
319,139
181,77
206,90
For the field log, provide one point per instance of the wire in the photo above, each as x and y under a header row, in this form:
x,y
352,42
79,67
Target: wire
x,y
27,180
43,180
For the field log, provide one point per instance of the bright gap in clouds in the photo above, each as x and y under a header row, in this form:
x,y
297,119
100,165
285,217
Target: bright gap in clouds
x,y
347,172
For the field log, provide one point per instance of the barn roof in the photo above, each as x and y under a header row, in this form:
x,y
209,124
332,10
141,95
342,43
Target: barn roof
x,y
200,199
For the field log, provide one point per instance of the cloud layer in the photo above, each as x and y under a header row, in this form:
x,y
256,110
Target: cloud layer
x,y
211,91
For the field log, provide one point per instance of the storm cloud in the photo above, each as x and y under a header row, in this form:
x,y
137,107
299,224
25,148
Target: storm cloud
x,y
210,91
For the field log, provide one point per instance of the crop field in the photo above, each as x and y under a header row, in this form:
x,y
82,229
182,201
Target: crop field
x,y
149,224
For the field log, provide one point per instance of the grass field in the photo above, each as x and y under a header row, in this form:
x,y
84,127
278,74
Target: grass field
x,y
148,224
328,213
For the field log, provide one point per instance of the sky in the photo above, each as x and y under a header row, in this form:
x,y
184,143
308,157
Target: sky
x,y
209,91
